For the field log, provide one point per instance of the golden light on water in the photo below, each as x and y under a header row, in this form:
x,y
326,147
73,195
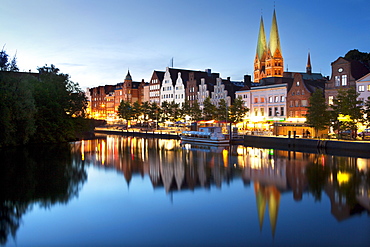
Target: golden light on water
x,y
343,177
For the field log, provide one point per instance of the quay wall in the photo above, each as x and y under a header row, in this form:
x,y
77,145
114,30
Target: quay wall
x,y
334,147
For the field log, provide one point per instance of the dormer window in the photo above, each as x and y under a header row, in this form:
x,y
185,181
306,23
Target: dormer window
x,y
297,83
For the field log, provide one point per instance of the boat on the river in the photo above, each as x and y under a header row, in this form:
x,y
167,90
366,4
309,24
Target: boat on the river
x,y
206,135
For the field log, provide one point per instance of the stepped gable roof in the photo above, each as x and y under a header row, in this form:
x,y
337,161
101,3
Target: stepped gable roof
x,y
210,78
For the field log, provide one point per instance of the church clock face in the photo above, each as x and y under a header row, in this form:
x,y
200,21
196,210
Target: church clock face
x,y
340,70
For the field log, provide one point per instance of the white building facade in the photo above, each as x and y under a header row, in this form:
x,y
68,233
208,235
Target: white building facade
x,y
219,92
268,104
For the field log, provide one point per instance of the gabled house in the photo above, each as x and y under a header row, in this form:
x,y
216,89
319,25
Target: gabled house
x,y
344,74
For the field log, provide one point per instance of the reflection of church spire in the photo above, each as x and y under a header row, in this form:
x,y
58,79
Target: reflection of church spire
x,y
261,203
271,195
274,202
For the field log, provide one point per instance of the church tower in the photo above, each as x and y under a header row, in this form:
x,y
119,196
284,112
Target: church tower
x,y
308,66
269,60
261,52
274,60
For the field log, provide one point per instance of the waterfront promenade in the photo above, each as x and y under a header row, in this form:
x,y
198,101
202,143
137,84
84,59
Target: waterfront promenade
x,y
360,148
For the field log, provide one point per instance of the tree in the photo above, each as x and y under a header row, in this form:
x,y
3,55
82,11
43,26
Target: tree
x,y
154,112
125,111
4,64
136,111
17,109
366,111
346,104
317,115
60,106
222,111
238,110
195,111
209,109
355,54
145,109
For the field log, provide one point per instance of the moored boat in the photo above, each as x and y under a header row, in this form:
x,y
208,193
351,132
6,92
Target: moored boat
x,y
206,135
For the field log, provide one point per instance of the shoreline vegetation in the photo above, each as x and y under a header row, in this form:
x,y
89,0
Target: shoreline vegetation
x,y
44,107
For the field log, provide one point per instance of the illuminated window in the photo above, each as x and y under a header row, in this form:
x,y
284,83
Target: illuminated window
x,y
297,83
255,100
262,110
331,100
337,80
368,88
271,99
344,80
304,102
256,112
361,88
276,98
262,100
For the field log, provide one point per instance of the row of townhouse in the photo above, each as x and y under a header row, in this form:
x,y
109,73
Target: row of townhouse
x,y
172,85
285,99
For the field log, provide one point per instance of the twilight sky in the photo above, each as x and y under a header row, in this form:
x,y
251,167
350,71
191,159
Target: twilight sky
x,y
96,41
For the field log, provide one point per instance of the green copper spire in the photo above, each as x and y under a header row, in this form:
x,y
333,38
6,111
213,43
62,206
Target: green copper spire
x,y
274,43
261,43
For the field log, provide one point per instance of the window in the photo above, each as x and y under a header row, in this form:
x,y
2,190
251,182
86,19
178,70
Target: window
x,y
368,88
291,104
292,93
270,111
262,110
304,102
276,98
282,113
255,100
337,80
296,103
276,111
298,92
262,100
331,100
361,88
256,112
270,99
302,92
344,80
297,84
282,98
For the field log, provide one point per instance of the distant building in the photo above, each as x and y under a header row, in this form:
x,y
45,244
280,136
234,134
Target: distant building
x,y
344,74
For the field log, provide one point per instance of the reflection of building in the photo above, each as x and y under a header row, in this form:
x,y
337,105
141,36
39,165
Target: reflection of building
x,y
178,168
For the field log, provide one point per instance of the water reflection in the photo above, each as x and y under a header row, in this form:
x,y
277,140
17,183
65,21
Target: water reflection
x,y
36,175
176,167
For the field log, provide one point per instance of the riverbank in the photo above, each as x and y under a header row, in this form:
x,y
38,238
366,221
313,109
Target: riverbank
x,y
327,146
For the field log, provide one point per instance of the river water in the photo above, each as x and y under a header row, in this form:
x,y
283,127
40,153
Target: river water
x,y
133,191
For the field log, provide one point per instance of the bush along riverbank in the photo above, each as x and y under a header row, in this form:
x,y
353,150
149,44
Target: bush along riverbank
x,y
44,107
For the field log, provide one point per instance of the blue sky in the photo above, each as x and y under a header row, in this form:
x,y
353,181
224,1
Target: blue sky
x,y
96,42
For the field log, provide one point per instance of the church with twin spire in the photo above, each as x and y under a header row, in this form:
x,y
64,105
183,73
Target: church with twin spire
x,y
269,60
